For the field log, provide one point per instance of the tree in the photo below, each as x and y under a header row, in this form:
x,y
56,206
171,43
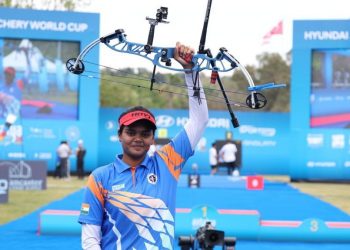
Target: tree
x,y
118,87
271,68
125,88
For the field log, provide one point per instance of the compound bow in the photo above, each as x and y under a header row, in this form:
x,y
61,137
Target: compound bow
x,y
162,57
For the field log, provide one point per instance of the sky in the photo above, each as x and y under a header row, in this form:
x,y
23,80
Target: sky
x,y
239,26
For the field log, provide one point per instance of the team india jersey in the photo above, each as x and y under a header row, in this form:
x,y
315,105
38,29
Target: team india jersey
x,y
136,211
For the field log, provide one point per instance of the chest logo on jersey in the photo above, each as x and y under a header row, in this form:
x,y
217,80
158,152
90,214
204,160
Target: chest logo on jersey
x,y
152,178
118,187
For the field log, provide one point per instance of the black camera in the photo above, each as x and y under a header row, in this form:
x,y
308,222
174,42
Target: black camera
x,y
207,238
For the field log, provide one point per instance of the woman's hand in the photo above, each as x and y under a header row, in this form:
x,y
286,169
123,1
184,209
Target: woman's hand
x,y
183,54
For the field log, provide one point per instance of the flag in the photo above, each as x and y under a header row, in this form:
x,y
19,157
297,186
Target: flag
x,y
277,30
85,209
255,182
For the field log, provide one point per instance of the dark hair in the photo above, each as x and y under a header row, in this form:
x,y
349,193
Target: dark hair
x,y
132,109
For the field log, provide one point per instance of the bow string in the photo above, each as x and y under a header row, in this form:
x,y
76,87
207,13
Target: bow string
x,y
123,77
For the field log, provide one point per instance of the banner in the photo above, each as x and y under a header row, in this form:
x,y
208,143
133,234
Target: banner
x,y
4,184
48,104
26,175
263,136
320,101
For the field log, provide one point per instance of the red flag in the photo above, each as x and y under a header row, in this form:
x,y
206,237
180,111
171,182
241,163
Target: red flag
x,y
255,182
277,30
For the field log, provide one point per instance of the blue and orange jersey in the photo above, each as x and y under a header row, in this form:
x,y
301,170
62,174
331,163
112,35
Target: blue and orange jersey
x,y
135,207
14,90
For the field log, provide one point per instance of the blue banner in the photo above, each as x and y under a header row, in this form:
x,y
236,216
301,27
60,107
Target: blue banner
x,y
264,138
45,102
320,104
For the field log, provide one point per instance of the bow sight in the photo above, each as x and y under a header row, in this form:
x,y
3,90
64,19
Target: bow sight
x,y
162,13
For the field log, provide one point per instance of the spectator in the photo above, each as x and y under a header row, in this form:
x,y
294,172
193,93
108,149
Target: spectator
x,y
213,158
63,153
10,94
228,155
80,153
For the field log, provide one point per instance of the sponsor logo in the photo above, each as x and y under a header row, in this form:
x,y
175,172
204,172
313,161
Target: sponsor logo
x,y
43,155
338,141
24,176
118,187
165,121
315,140
114,138
257,143
72,133
85,209
16,155
46,133
109,125
332,35
212,123
20,171
218,123
152,178
321,164
266,132
141,114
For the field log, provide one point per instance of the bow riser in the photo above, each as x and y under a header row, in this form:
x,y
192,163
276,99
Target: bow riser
x,y
159,55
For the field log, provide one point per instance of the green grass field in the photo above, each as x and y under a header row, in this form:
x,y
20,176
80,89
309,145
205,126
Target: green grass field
x,y
24,202
336,194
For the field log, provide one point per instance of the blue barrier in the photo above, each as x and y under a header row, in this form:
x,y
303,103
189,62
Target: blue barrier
x,y
242,224
311,230
58,222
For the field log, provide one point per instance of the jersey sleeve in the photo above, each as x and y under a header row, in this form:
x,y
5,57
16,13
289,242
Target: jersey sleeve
x,y
92,207
198,110
176,153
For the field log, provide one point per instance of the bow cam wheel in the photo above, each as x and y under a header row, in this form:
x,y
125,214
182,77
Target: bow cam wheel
x,y
79,67
256,101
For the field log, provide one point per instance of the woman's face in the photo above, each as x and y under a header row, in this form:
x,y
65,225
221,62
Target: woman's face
x,y
9,78
136,140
